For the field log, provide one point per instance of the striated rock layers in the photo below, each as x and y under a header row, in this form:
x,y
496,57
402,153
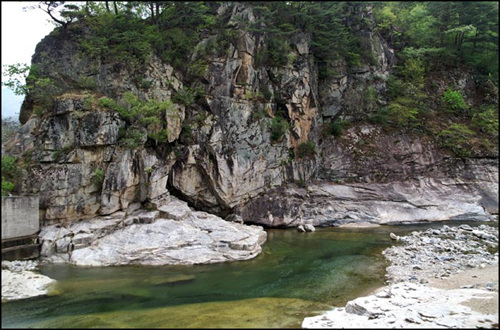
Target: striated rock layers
x,y
234,148
414,300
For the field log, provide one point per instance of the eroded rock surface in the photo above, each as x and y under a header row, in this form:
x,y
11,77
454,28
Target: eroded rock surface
x,y
330,204
172,235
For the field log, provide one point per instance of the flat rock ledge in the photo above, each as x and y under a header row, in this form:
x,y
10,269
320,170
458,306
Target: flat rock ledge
x,y
446,278
173,234
20,281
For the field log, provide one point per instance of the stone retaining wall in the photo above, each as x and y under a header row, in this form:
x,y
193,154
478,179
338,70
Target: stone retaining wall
x,y
19,216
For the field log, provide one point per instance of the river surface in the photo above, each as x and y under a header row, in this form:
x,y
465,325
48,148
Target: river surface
x,y
297,275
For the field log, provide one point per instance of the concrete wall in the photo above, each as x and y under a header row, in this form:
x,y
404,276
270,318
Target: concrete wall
x,y
19,216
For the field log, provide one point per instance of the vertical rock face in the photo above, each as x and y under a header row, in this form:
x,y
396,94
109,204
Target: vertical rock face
x,y
219,153
74,146
345,90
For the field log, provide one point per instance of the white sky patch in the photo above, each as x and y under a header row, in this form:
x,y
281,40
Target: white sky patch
x,y
21,32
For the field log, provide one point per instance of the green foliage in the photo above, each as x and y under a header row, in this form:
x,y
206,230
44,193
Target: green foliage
x,y
335,128
17,74
457,137
150,115
257,114
394,86
486,121
160,137
10,174
279,127
120,38
187,132
56,155
401,112
412,70
266,93
9,167
381,117
454,100
98,178
86,83
353,59
443,34
7,187
306,150
25,80
198,69
370,98
107,103
130,137
188,95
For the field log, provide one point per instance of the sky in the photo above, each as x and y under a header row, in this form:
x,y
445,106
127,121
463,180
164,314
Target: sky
x,y
21,32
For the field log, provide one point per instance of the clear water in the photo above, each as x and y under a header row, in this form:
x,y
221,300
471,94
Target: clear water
x,y
297,275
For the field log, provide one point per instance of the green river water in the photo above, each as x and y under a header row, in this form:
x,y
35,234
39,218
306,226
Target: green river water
x,y
297,275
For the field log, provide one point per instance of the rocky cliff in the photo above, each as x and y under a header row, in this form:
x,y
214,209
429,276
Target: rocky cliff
x,y
250,139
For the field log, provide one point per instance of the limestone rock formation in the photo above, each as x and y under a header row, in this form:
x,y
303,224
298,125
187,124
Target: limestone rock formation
x,y
172,235
246,133
331,204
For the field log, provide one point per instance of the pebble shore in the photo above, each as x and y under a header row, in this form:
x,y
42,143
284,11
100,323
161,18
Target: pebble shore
x,y
412,299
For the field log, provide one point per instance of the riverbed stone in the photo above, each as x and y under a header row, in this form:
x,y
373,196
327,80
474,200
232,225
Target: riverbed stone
x,y
408,303
171,235
24,284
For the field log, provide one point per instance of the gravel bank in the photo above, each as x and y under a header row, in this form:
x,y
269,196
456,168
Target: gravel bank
x,y
446,278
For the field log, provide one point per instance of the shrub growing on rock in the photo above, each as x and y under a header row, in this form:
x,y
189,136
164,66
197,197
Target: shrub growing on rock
x,y
307,149
454,101
279,127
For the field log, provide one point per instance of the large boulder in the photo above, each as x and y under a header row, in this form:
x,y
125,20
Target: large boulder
x,y
173,235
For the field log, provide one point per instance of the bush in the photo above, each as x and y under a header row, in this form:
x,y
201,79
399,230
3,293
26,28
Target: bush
x,y
412,71
130,137
279,127
98,178
187,96
487,121
160,136
335,128
10,174
457,138
7,187
401,112
266,93
454,100
381,117
107,103
86,83
307,149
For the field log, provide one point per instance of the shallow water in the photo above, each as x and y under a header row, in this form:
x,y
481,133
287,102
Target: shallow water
x,y
297,275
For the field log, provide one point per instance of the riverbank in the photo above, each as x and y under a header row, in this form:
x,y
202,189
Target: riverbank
x,y
437,279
